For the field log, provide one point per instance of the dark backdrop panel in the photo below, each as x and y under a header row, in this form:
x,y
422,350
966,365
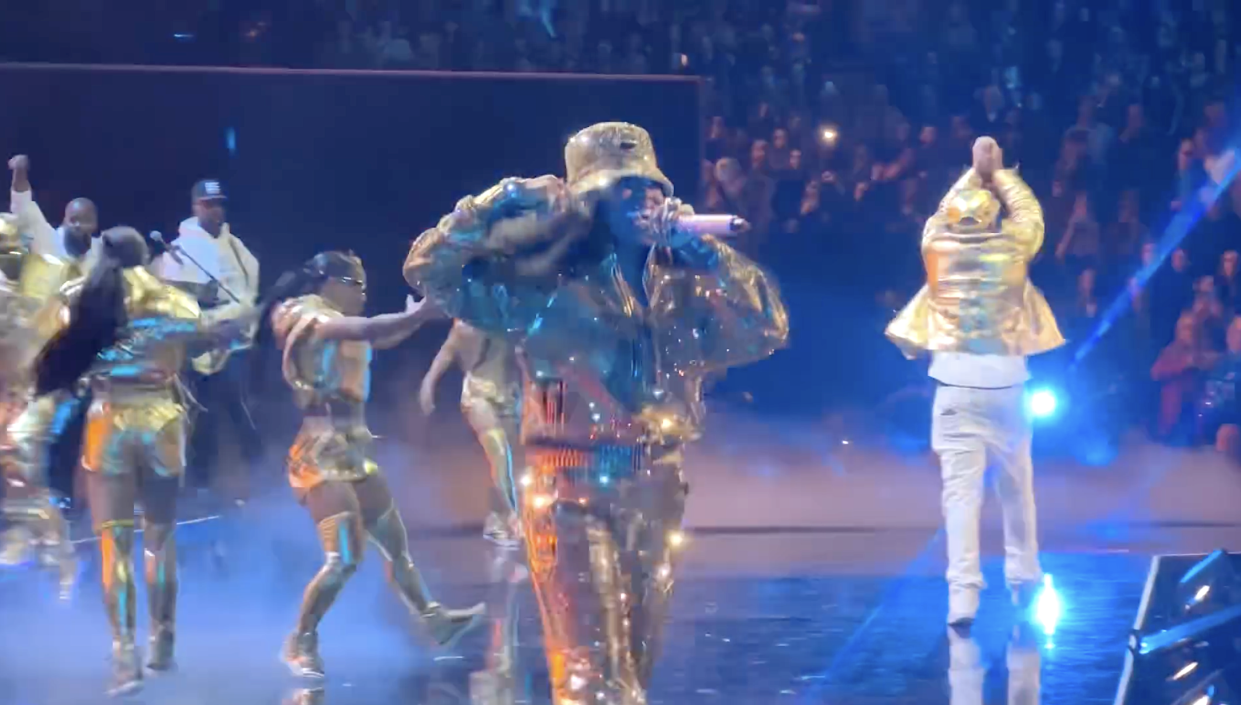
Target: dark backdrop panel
x,y
319,160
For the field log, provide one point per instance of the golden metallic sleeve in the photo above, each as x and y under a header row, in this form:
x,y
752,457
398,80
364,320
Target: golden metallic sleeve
x,y
1025,216
466,263
939,220
718,310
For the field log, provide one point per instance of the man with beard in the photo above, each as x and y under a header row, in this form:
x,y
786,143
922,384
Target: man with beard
x,y
210,262
618,314
74,239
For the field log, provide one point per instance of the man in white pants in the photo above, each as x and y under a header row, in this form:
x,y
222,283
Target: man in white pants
x,y
980,317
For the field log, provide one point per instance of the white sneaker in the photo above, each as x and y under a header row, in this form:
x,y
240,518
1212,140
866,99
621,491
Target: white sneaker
x,y
962,605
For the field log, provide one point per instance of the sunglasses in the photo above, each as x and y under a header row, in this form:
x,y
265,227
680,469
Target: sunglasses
x,y
350,281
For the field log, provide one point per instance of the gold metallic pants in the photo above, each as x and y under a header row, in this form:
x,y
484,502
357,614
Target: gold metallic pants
x,y
493,414
346,513
28,505
134,450
602,527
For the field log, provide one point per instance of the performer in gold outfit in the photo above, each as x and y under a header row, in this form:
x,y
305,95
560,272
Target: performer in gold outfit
x,y
314,315
128,337
55,257
980,317
617,316
490,401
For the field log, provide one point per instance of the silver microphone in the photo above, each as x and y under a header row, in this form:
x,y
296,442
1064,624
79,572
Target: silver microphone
x,y
157,236
175,253
716,225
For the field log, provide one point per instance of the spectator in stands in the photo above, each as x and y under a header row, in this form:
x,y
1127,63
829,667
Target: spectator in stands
x,y
1220,412
1228,283
1178,371
1172,292
1080,247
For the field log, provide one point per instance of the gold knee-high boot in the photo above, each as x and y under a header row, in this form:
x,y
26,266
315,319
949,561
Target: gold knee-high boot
x,y
116,545
343,544
160,562
444,625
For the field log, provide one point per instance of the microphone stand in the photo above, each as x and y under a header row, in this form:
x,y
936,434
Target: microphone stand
x,y
178,252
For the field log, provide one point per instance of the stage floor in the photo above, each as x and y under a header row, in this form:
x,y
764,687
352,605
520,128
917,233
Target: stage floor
x,y
758,618
813,574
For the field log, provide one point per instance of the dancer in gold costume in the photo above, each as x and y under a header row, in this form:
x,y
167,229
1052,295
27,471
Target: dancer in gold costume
x,y
315,317
617,315
128,337
979,317
55,257
490,401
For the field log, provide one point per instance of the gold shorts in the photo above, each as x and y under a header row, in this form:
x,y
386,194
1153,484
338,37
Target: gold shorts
x,y
330,450
139,433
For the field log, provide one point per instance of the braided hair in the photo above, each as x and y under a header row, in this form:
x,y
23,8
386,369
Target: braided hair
x,y
307,279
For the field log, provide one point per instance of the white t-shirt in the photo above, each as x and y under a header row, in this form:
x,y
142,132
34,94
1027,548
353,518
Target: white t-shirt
x,y
982,371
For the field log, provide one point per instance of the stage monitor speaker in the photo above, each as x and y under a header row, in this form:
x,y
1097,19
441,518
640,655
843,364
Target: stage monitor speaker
x,y
1185,647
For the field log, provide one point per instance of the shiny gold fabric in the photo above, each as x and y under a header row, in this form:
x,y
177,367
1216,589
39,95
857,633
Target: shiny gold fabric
x,y
31,311
163,324
602,530
330,448
116,552
601,366
135,433
321,372
12,250
612,390
978,298
36,519
331,383
344,543
492,412
602,154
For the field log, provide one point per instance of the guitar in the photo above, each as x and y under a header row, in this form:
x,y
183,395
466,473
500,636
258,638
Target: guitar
x,y
208,297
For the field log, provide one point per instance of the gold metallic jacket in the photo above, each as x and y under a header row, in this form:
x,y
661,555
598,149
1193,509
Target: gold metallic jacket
x,y
163,323
331,382
978,298
600,367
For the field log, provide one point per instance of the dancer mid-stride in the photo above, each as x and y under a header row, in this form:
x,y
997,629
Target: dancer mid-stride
x,y
491,403
128,337
315,316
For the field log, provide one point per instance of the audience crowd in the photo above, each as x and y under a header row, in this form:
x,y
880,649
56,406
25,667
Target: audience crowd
x,y
835,127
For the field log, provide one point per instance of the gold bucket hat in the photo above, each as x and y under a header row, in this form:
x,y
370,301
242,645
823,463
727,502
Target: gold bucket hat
x,y
973,209
602,154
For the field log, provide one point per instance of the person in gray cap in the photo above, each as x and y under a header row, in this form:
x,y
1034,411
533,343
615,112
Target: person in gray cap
x,y
617,312
210,262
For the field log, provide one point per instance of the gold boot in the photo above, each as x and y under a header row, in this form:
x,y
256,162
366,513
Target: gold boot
x,y
445,626
160,559
116,544
341,537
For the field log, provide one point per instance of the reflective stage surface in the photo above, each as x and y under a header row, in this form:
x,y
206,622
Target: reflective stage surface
x,y
815,628
812,574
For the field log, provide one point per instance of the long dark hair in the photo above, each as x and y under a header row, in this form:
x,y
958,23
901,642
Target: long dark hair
x,y
307,279
97,316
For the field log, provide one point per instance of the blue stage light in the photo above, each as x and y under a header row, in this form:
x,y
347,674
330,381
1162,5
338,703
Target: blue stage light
x,y
1042,403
